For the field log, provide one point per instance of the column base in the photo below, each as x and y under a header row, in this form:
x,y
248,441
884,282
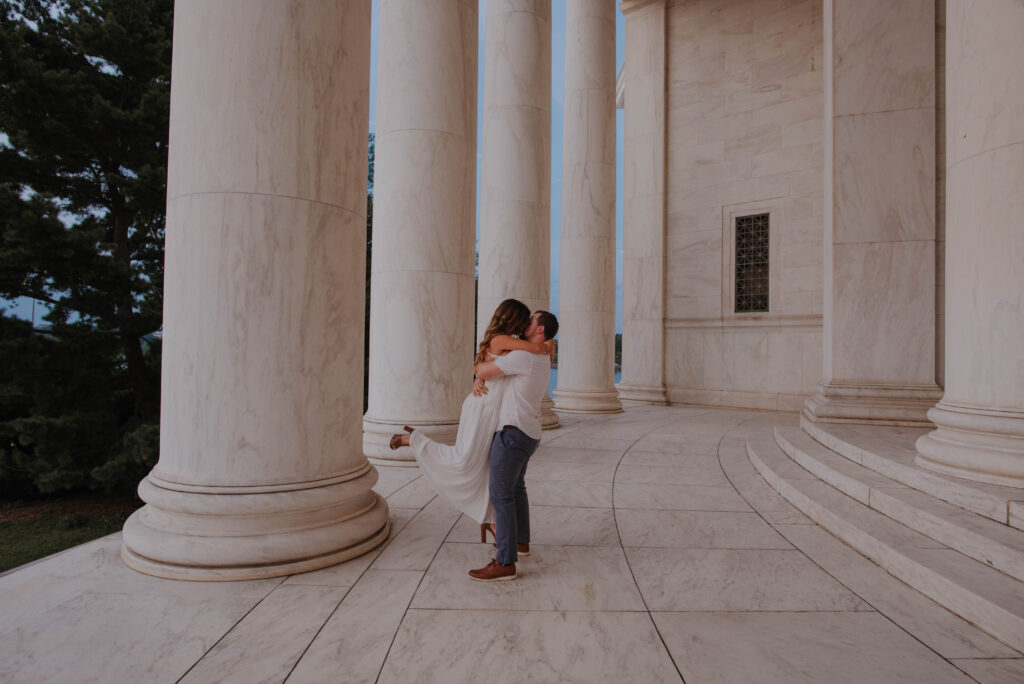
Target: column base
x,y
642,394
191,532
976,444
377,435
587,401
548,418
872,404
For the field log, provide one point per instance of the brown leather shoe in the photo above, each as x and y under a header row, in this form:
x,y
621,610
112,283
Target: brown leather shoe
x,y
494,572
521,549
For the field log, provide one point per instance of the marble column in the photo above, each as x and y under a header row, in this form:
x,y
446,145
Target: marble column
x,y
879,261
643,267
980,419
261,472
586,358
424,234
515,194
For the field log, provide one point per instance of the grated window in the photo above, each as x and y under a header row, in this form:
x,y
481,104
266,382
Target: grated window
x,y
752,263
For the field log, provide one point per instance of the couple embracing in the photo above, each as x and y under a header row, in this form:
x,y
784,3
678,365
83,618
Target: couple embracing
x,y
483,473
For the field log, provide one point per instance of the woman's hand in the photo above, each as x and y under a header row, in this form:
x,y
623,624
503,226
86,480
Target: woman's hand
x,y
479,387
549,348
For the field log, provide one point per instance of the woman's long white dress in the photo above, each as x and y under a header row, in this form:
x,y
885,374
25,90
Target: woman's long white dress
x,y
460,472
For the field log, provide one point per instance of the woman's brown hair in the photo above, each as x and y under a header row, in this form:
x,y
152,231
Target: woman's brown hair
x,y
512,317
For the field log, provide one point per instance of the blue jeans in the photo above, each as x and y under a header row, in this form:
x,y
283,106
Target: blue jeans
x,y
510,451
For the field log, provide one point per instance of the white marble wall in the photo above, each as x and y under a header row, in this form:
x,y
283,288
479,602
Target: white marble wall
x,y
261,471
879,332
980,419
643,277
515,194
586,373
421,318
744,135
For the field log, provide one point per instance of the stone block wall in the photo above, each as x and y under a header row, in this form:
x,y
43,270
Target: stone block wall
x,y
744,135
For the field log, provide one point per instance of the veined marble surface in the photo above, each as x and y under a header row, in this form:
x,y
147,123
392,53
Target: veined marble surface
x,y
643,242
587,273
744,135
980,419
880,225
636,573
421,317
259,471
515,192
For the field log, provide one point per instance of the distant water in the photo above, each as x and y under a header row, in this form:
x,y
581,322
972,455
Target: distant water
x,y
553,382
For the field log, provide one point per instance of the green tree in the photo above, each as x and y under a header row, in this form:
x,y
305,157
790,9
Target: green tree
x,y
84,107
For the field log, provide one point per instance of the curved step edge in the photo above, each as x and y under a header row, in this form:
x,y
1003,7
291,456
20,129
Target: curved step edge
x,y
982,595
981,538
987,500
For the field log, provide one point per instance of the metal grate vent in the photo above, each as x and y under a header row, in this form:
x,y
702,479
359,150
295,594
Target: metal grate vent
x,y
752,263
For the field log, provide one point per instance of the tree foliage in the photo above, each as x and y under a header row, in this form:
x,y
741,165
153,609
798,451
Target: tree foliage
x,y
84,101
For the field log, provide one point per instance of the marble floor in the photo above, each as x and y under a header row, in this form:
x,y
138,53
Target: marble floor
x,y
659,555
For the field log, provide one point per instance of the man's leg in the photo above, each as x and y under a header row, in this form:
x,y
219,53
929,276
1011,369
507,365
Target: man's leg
x,y
522,509
529,446
507,461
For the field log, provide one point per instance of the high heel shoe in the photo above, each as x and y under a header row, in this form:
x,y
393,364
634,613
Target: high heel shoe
x,y
407,429
396,441
521,549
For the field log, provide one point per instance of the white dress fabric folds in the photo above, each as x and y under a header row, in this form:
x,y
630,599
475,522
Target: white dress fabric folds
x,y
460,473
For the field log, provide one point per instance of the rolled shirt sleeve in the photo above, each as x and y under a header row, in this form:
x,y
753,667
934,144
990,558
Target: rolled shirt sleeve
x,y
516,362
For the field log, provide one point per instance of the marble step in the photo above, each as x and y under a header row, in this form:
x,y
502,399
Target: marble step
x,y
971,589
890,452
985,540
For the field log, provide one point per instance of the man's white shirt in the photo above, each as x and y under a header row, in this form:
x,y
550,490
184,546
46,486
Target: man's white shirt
x,y
528,376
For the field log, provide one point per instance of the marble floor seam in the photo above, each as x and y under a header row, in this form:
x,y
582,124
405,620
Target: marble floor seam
x,y
413,597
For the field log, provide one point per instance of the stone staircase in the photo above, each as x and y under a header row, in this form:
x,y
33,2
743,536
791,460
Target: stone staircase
x,y
890,452
952,540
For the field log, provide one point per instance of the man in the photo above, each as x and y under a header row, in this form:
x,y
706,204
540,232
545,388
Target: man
x,y
517,438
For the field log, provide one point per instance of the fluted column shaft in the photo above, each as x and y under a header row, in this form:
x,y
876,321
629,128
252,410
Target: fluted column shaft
x,y
261,471
980,419
424,239
586,359
643,260
879,260
515,195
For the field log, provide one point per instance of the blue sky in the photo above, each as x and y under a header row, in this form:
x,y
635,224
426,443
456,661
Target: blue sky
x,y
557,100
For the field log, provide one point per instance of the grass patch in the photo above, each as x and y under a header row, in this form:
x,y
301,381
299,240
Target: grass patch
x,y
29,531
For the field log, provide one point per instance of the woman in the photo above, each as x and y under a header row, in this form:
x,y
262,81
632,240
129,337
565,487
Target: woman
x,y
459,472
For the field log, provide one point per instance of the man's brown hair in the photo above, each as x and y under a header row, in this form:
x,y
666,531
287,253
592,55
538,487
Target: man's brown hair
x,y
550,323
